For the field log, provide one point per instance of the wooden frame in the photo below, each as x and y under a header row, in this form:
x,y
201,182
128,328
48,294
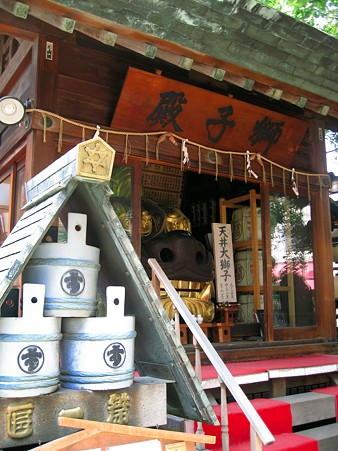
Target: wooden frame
x,y
96,434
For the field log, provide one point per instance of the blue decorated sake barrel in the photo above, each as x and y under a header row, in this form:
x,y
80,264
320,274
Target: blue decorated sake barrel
x,y
69,271
29,349
98,353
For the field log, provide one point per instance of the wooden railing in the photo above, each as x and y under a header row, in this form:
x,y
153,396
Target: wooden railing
x,y
259,433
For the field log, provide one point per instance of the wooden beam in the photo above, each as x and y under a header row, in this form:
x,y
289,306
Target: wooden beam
x,y
242,82
139,47
267,263
18,9
68,20
67,440
15,67
214,72
106,37
178,59
63,23
135,431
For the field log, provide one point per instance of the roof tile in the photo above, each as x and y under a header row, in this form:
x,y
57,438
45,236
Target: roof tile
x,y
242,32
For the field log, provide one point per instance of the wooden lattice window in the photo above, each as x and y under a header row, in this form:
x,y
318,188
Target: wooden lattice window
x,y
8,47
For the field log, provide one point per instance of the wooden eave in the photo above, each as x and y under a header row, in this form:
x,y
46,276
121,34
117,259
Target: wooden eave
x,y
69,20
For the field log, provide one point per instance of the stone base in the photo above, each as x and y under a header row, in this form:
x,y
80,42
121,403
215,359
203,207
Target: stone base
x,y
34,420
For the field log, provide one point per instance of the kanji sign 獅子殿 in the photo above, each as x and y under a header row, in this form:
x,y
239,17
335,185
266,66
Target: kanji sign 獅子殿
x,y
151,102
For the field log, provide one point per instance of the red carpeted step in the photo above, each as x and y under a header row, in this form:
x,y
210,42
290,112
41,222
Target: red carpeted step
x,y
260,366
284,442
275,414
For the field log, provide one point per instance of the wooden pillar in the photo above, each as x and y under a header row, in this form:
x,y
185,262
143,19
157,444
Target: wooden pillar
x,y
322,243
267,263
136,207
278,387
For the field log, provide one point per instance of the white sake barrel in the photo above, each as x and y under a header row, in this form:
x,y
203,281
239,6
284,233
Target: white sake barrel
x,y
241,224
335,253
98,353
29,349
69,271
247,308
244,267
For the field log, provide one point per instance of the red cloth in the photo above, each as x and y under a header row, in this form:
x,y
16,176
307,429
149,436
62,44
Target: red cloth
x,y
275,414
284,442
260,366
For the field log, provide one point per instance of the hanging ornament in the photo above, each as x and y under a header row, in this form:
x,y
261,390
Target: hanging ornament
x,y
258,158
231,168
199,160
248,166
308,187
284,183
216,164
162,138
294,184
168,136
271,175
177,140
97,133
60,136
127,149
147,150
185,153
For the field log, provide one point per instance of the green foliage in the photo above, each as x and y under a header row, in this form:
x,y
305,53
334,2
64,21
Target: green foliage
x,y
332,138
289,223
320,14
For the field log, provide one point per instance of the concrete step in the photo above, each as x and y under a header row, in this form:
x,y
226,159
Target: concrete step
x,y
311,407
326,436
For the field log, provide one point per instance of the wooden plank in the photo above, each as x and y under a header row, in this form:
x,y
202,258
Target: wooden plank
x,y
91,439
19,235
17,261
62,168
6,263
224,263
63,161
17,66
135,431
219,121
112,72
73,84
67,441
